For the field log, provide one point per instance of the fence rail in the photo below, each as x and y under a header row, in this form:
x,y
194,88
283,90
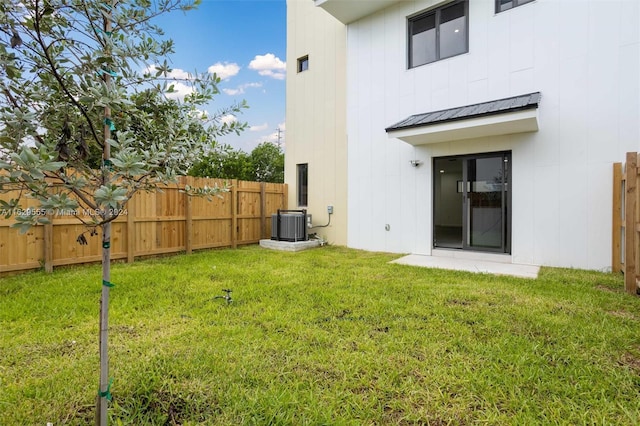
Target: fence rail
x,y
625,245
153,223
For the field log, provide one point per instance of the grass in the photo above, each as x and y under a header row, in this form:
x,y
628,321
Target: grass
x,y
328,336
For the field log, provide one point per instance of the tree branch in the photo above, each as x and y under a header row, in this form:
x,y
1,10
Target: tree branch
x,y
56,75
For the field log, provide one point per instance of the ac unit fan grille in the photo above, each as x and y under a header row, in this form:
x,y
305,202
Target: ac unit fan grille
x,y
289,227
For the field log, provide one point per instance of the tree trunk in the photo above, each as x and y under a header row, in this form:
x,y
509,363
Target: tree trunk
x,y
105,395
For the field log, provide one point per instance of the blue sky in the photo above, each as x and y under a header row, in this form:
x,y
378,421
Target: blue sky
x,y
244,42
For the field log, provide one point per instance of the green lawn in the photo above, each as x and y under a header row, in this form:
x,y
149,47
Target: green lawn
x,y
327,336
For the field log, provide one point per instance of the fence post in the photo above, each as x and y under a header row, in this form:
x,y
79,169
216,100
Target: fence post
x,y
616,225
636,226
263,211
48,245
131,231
285,195
631,172
234,214
188,226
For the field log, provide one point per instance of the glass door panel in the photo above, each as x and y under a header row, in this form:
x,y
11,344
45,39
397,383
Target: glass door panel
x,y
448,203
485,203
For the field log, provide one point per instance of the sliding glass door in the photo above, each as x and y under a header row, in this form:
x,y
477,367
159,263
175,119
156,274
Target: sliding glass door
x,y
472,203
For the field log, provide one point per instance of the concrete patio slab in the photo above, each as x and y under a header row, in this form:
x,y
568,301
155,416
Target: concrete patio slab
x,y
482,263
289,245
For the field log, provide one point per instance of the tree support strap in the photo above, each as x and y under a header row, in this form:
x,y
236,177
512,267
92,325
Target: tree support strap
x,y
107,393
110,123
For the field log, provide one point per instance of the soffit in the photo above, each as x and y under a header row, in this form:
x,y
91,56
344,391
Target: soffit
x,y
347,11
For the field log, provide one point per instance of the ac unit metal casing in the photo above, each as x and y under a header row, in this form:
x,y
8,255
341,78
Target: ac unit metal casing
x,y
290,226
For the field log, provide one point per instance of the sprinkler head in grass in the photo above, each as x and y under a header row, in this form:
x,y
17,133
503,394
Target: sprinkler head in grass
x,y
226,297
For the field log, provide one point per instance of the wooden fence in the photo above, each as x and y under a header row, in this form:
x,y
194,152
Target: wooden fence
x,y
625,247
153,223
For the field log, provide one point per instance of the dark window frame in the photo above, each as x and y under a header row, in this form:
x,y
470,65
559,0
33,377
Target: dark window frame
x,y
437,13
302,184
303,63
516,3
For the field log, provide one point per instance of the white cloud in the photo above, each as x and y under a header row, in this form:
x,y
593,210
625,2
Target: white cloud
x,y
269,65
180,89
272,137
276,75
228,119
177,73
259,128
224,70
232,92
201,114
241,89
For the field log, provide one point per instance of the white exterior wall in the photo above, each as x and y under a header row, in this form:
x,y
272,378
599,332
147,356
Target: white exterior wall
x,y
583,56
316,115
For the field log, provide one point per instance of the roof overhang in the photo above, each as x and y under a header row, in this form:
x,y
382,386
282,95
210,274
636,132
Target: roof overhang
x,y
347,11
503,124
501,117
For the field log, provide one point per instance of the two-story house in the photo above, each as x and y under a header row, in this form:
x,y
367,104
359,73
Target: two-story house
x,y
465,125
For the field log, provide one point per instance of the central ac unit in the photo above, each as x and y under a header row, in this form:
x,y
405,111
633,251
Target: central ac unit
x,y
289,225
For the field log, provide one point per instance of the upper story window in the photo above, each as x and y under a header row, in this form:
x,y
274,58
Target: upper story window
x,y
439,33
502,5
303,63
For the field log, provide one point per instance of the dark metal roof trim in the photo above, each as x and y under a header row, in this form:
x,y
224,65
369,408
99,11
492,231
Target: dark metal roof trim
x,y
499,106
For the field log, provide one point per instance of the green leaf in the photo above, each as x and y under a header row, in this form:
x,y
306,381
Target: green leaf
x,y
110,196
23,223
22,228
36,174
113,143
53,166
12,72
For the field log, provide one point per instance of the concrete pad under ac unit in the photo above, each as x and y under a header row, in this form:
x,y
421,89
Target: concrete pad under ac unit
x,y
289,245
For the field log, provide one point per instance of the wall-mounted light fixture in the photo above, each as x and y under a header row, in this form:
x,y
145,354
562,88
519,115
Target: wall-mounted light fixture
x,y
415,163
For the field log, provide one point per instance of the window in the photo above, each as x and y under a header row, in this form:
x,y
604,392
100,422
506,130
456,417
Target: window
x,y
438,34
303,63
303,172
502,5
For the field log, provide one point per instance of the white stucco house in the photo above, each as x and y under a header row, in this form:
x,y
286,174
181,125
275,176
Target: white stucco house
x,y
463,125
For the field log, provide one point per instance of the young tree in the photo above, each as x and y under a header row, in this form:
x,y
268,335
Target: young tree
x,y
267,160
85,122
224,162
264,164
